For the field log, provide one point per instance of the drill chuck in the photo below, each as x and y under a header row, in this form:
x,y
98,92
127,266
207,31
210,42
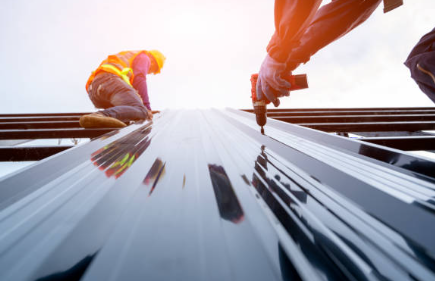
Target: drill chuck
x,y
260,112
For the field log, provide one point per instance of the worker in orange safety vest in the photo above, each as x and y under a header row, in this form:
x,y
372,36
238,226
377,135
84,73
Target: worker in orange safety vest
x,y
119,87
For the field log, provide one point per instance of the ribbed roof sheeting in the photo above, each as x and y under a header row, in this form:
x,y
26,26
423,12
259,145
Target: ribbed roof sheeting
x,y
202,195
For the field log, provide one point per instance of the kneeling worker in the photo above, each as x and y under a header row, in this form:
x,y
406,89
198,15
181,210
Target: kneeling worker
x,y
119,87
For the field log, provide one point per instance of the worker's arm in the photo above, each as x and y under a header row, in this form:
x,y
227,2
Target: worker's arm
x,y
291,19
302,29
421,63
141,65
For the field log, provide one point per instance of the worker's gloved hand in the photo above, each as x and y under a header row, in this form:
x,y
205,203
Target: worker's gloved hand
x,y
270,85
149,115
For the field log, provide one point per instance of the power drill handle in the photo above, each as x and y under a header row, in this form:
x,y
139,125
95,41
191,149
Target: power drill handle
x,y
297,82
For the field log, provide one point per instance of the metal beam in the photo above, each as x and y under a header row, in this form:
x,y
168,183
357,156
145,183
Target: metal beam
x,y
395,133
371,126
43,114
59,115
404,143
347,111
39,119
355,118
29,153
53,133
39,125
389,109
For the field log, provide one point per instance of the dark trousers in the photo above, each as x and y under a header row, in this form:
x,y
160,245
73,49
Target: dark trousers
x,y
118,99
313,28
423,54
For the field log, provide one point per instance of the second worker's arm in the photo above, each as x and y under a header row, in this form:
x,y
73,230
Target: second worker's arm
x,y
291,19
141,65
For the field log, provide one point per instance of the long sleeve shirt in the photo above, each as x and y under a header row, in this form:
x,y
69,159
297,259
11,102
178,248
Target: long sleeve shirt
x,y
302,29
141,65
421,63
291,19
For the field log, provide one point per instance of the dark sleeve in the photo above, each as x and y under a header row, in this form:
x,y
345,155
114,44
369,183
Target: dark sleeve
x,y
423,55
425,45
291,19
140,66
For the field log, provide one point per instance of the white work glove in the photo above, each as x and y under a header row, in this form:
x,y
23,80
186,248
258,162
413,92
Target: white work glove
x,y
270,85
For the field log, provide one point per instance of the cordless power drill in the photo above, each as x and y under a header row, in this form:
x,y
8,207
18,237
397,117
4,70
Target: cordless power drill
x,y
297,82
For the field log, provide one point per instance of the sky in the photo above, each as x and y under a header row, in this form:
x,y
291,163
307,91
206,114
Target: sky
x,y
49,48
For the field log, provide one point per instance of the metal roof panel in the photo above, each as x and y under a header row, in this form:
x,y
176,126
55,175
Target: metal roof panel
x,y
202,195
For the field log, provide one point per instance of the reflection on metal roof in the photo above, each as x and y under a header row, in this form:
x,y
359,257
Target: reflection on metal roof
x,y
202,195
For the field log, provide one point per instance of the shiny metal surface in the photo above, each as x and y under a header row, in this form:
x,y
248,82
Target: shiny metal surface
x,y
390,123
202,195
394,158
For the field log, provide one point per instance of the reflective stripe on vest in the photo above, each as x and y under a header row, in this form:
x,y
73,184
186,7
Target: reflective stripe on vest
x,y
121,73
114,63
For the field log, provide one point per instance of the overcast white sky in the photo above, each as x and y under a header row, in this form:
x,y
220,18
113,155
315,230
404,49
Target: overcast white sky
x,y
48,49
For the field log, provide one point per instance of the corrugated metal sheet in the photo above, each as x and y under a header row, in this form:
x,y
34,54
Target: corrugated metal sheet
x,y
202,195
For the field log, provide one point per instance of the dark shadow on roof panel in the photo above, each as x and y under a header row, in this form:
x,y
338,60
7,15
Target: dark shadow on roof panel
x,y
74,273
156,171
226,198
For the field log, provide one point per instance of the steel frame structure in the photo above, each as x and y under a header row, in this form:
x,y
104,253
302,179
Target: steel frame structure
x,y
399,128
202,195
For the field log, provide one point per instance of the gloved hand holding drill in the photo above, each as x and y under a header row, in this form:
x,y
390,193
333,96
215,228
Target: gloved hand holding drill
x,y
262,93
302,28
270,84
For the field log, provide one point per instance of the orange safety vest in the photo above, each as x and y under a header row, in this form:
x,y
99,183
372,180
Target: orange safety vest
x,y
118,64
